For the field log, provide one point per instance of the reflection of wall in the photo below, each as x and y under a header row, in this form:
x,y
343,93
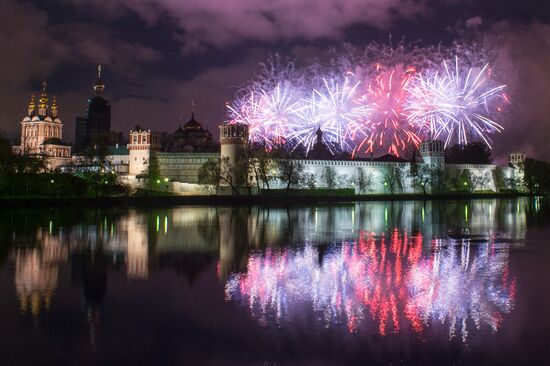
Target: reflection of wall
x,y
186,229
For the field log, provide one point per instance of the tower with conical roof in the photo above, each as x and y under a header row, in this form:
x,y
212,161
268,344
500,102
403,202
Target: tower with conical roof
x,y
98,117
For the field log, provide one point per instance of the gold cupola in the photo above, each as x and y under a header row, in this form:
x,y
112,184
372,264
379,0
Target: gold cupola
x,y
31,110
54,108
43,101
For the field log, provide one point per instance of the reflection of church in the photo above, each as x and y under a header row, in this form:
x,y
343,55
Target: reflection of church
x,y
190,137
36,273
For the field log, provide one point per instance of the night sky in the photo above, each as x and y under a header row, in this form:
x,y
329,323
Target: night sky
x,y
158,55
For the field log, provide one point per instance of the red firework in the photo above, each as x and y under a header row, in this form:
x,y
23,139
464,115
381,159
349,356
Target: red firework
x,y
387,124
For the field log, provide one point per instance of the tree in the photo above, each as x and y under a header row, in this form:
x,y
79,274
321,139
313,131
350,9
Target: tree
x,y
456,179
424,178
330,176
438,180
536,176
465,181
364,181
479,181
209,174
289,166
265,167
216,172
241,170
310,181
152,173
290,172
472,153
413,170
392,178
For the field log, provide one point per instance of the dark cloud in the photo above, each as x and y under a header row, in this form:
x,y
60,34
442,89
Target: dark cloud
x,y
522,60
35,49
223,23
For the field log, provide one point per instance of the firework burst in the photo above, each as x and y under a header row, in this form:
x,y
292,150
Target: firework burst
x,y
270,114
334,109
456,104
411,94
388,125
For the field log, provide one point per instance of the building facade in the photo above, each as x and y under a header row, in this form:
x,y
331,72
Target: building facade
x,y
190,137
42,132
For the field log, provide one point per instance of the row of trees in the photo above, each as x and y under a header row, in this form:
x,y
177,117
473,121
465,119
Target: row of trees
x,y
257,169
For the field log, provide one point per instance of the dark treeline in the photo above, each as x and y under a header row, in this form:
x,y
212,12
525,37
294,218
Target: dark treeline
x,y
30,176
471,153
537,176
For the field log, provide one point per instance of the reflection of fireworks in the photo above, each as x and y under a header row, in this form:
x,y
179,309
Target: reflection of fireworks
x,y
388,124
456,105
459,283
386,281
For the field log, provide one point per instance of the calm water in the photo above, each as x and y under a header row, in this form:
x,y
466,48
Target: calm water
x,y
460,282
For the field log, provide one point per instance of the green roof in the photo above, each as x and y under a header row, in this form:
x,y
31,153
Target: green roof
x,y
120,150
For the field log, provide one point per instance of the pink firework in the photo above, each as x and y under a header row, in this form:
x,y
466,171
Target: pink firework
x,y
388,124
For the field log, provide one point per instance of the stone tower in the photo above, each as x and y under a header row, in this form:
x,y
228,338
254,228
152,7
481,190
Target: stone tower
x,y
140,147
233,138
433,153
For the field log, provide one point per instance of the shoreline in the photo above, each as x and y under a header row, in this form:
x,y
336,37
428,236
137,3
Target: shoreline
x,y
237,200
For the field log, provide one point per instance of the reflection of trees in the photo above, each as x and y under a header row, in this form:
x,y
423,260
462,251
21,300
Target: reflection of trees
x,y
379,281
